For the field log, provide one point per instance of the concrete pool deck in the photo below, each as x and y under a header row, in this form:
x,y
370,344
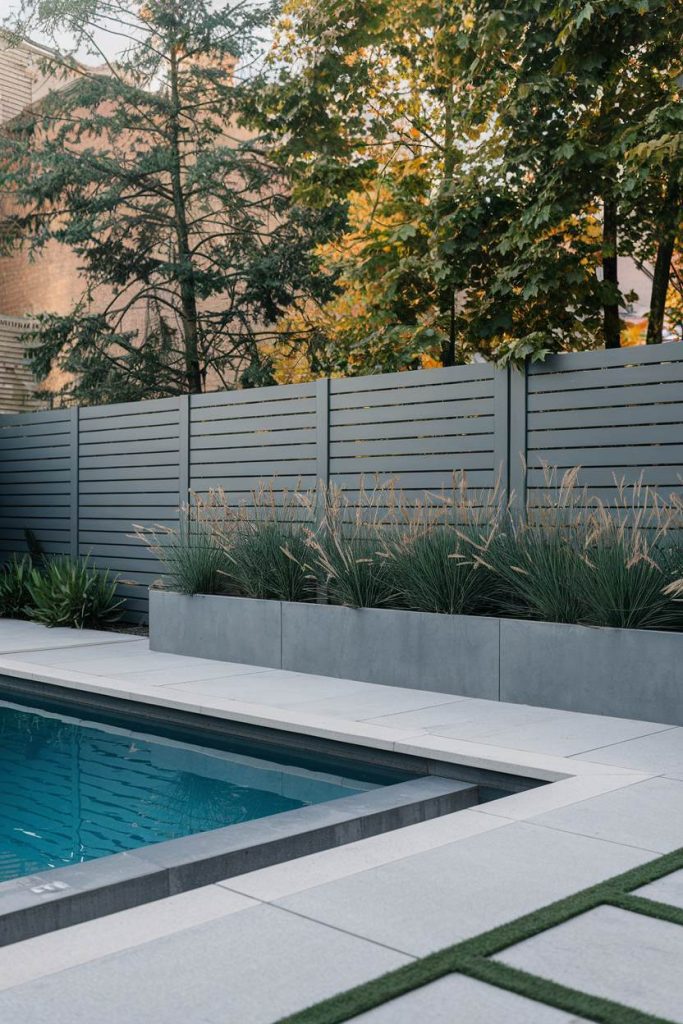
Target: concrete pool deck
x,y
259,946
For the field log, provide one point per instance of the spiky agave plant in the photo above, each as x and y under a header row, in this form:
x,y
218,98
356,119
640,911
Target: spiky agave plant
x,y
71,592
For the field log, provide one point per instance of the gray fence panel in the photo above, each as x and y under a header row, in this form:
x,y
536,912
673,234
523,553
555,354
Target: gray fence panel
x,y
417,430
618,415
239,439
35,481
129,472
80,479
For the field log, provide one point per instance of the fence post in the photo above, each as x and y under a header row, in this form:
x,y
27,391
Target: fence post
x,y
501,429
322,430
183,449
518,439
74,480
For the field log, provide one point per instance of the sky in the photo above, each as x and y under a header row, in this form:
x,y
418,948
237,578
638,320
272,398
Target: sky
x,y
8,8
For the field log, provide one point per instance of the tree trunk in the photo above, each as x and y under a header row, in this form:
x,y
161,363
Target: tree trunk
x,y
448,349
660,280
611,324
449,346
188,292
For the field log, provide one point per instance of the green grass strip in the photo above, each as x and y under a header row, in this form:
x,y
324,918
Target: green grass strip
x,y
650,908
470,956
552,993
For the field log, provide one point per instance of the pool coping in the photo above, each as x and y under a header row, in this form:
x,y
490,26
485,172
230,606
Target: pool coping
x,y
32,905
35,904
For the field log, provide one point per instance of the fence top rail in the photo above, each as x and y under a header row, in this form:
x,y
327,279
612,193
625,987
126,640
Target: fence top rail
x,y
251,396
413,378
26,419
606,358
398,382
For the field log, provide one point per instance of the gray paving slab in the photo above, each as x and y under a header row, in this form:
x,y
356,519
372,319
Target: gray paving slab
x,y
376,700
667,890
460,1000
570,733
648,815
172,675
659,752
56,951
466,717
59,639
101,659
253,967
272,688
423,903
630,958
521,727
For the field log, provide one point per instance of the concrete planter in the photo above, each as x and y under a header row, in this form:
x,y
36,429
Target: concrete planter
x,y
222,628
627,673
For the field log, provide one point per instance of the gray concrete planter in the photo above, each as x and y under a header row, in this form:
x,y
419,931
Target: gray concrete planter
x,y
222,628
627,673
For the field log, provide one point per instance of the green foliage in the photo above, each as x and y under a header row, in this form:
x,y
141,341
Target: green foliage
x,y
597,566
458,552
179,217
70,592
269,560
441,569
266,545
353,569
347,552
626,585
193,558
540,570
15,595
496,160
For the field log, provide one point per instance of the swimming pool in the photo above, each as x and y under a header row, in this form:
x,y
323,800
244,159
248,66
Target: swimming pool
x,y
73,790
107,803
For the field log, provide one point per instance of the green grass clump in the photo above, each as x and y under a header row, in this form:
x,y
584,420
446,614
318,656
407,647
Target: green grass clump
x,y
630,582
267,560
442,569
265,544
194,561
540,572
347,552
569,559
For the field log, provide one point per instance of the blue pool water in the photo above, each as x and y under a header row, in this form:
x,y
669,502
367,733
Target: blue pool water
x,y
73,790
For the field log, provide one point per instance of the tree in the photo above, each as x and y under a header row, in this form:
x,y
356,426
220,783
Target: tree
x,y
588,86
494,152
179,215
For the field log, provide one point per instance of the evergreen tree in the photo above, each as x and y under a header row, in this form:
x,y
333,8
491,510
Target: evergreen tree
x,y
177,212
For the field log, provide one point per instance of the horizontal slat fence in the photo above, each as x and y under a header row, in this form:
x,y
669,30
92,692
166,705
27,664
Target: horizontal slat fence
x,y
80,479
417,428
617,414
37,480
128,473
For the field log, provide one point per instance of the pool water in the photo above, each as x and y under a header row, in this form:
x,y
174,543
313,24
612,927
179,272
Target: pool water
x,y
73,790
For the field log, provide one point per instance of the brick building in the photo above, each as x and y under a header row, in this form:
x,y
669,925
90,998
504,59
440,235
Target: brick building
x,y
50,283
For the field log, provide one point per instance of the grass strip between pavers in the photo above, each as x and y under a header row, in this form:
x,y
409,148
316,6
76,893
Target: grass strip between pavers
x,y
471,956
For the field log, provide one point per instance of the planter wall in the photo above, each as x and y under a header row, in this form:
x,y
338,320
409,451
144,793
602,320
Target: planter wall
x,y
620,672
